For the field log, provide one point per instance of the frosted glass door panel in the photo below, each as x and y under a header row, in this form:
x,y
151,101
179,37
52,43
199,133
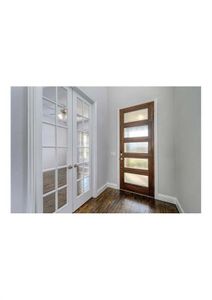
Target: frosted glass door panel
x,y
138,131
136,179
140,147
137,115
61,157
49,158
136,163
49,135
49,111
62,96
62,137
50,93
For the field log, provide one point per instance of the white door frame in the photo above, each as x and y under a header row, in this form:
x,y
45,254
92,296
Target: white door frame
x,y
34,172
155,141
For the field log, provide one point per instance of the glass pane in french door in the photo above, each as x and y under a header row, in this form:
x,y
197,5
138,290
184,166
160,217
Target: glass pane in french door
x,y
54,148
83,146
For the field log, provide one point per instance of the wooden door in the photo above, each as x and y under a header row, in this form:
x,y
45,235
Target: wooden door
x,y
137,149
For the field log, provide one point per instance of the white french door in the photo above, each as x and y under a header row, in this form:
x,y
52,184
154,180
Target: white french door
x,y
65,150
81,151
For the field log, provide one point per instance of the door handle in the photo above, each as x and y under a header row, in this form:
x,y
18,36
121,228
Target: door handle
x,y
76,165
70,167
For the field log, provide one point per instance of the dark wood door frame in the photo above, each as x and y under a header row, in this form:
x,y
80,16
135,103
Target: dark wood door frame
x,y
150,191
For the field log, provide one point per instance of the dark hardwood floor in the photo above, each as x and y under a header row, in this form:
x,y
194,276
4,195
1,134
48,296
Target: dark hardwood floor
x,y
117,201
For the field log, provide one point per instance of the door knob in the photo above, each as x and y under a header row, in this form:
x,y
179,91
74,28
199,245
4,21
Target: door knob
x,y
70,167
75,165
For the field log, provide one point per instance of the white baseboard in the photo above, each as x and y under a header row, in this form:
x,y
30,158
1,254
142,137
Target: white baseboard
x,y
170,199
112,185
161,197
179,207
166,198
101,190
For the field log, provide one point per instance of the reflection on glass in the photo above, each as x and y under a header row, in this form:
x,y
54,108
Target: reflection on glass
x,y
79,107
62,177
49,203
79,171
85,139
85,110
86,169
138,131
86,183
79,123
61,157
80,155
140,147
80,138
137,179
136,115
48,135
49,158
86,154
48,111
62,137
48,181
50,92
62,197
79,187
136,163
86,125
62,116
62,96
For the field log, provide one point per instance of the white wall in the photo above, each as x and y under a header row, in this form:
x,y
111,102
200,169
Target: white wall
x,y
120,97
18,149
187,107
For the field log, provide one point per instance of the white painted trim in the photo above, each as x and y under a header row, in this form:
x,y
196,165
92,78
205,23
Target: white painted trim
x,y
179,207
34,172
155,143
30,157
170,199
166,198
101,190
113,185
94,149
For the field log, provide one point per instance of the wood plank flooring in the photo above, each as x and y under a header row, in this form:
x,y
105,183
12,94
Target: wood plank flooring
x,y
117,201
